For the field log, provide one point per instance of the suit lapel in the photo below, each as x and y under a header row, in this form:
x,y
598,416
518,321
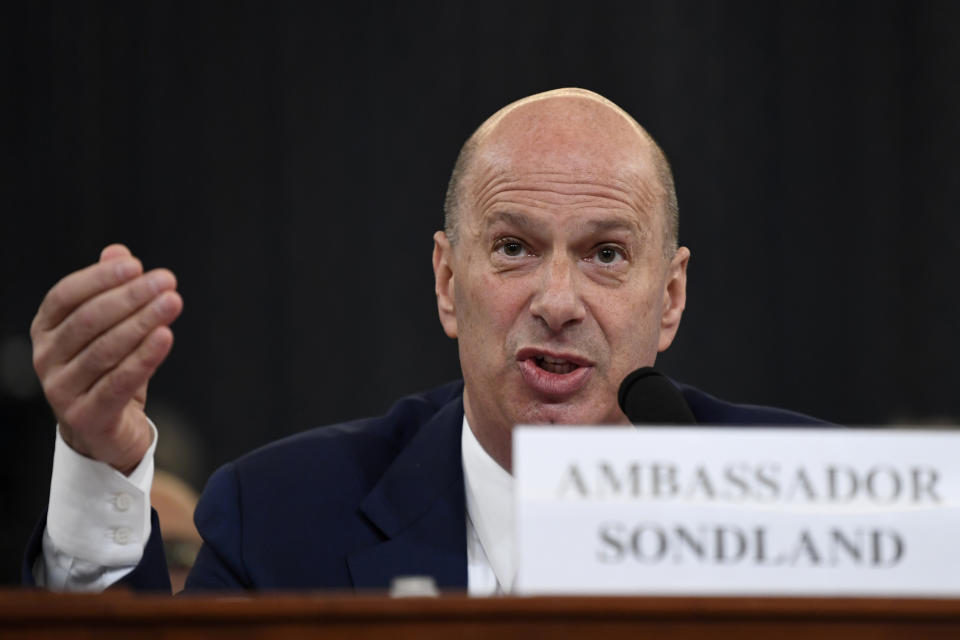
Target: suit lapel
x,y
419,506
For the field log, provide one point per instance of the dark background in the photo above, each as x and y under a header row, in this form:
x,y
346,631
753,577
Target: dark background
x,y
288,162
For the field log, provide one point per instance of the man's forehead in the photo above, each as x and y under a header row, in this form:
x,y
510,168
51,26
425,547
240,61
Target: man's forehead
x,y
564,175
567,152
603,198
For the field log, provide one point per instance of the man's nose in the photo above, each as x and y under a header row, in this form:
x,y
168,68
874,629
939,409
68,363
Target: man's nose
x,y
557,301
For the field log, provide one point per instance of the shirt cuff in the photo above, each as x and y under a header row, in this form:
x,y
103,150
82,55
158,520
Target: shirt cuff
x,y
97,514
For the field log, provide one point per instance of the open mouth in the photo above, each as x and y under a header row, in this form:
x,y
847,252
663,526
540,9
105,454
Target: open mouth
x,y
555,365
554,376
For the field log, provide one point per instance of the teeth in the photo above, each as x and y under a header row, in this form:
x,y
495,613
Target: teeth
x,y
555,365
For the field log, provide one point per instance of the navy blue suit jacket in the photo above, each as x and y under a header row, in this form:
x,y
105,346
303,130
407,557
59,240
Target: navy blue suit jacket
x,y
352,505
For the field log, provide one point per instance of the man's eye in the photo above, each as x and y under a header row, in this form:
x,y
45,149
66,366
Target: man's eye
x,y
511,248
608,254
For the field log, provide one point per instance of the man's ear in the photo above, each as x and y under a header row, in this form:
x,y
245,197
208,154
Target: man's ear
x,y
443,277
674,297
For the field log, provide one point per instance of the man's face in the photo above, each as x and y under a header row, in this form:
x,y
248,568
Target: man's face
x,y
559,285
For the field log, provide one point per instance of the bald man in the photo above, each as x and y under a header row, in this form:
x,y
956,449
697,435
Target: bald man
x,y
558,273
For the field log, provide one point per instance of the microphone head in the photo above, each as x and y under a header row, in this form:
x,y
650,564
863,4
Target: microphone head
x,y
646,396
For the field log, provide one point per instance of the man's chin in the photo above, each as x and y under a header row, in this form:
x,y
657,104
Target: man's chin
x,y
571,412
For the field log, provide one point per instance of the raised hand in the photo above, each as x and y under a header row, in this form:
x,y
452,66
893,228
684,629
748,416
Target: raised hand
x,y
98,337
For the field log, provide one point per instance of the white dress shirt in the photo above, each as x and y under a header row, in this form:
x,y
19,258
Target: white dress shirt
x,y
491,566
98,521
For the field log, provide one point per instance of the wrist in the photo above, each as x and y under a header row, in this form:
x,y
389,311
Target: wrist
x,y
124,458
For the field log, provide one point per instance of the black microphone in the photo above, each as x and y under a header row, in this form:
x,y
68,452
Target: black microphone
x,y
646,396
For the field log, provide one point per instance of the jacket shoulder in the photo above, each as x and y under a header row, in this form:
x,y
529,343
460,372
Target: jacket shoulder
x,y
285,515
711,410
362,443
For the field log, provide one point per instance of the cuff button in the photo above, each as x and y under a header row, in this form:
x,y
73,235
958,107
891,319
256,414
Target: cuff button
x,y
122,502
122,535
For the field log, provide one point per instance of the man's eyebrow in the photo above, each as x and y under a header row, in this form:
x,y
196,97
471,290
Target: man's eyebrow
x,y
593,227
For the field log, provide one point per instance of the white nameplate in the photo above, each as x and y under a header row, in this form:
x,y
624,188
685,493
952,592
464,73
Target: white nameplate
x,y
737,511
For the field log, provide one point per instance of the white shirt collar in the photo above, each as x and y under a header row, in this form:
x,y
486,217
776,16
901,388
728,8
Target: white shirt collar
x,y
489,496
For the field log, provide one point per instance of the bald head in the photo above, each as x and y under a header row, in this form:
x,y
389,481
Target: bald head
x,y
573,128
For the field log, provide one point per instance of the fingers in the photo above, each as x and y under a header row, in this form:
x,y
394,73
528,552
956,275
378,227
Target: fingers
x,y
98,337
109,349
105,311
107,423
94,320
80,286
112,392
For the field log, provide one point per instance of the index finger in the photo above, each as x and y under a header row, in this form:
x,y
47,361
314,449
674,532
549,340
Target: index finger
x,y
80,286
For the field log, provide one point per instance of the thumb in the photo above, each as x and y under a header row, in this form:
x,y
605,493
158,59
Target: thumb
x,y
114,251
